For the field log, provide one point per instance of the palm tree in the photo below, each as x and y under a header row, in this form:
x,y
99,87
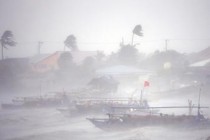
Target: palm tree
x,y
136,31
71,43
6,40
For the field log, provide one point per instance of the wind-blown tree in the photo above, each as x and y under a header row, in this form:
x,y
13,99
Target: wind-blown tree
x,y
67,71
71,43
65,61
88,67
7,39
136,31
167,61
128,54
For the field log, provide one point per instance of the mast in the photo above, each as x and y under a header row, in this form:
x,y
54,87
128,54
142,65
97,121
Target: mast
x,y
132,39
39,46
199,96
190,107
141,97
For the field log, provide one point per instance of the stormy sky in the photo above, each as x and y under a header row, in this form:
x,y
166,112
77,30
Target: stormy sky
x,y
101,24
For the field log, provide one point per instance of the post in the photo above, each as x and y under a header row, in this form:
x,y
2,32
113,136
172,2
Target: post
x,y
2,52
166,45
190,107
199,101
64,48
141,98
40,88
132,39
39,46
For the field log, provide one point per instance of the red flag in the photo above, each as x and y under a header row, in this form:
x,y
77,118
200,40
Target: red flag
x,y
146,83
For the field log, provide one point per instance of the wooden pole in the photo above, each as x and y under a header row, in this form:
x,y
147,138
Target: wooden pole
x,y
39,46
141,97
2,52
166,45
64,48
199,101
132,39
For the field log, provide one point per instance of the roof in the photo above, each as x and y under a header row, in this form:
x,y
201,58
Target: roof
x,y
200,56
122,70
78,56
38,58
200,63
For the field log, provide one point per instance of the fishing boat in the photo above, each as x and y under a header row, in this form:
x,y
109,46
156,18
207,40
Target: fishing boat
x,y
47,100
128,120
101,106
142,119
106,105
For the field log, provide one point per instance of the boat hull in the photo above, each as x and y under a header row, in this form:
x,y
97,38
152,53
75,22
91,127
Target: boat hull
x,y
128,122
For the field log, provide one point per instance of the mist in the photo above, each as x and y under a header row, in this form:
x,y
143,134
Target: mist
x,y
66,64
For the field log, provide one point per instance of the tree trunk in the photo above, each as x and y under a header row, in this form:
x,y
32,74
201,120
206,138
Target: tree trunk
x,y
132,39
2,52
64,48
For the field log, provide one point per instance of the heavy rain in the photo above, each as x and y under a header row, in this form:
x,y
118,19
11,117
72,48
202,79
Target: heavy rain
x,y
102,69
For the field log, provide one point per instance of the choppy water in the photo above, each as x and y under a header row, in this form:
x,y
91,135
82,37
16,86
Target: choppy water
x,y
50,124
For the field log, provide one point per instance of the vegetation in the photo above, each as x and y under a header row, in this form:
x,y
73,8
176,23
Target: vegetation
x,y
128,54
71,43
167,64
7,39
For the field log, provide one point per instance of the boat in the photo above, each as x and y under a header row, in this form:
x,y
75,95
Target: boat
x,y
107,105
142,119
47,100
151,118
83,106
96,105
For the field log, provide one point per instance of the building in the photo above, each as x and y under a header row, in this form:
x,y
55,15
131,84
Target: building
x,y
48,62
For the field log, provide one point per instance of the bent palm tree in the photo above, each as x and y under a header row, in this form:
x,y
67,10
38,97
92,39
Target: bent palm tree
x,y
136,31
6,40
71,43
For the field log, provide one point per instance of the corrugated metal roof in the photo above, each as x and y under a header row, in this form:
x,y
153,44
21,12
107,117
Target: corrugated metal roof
x,y
200,63
37,58
78,56
122,70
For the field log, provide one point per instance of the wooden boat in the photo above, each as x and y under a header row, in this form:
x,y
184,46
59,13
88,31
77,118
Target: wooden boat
x,y
126,121
102,105
150,118
105,105
48,100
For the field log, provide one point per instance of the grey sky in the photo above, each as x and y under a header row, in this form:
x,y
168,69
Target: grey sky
x,y
101,24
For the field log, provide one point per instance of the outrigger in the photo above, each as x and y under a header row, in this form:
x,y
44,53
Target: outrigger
x,y
149,118
102,105
131,120
47,100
